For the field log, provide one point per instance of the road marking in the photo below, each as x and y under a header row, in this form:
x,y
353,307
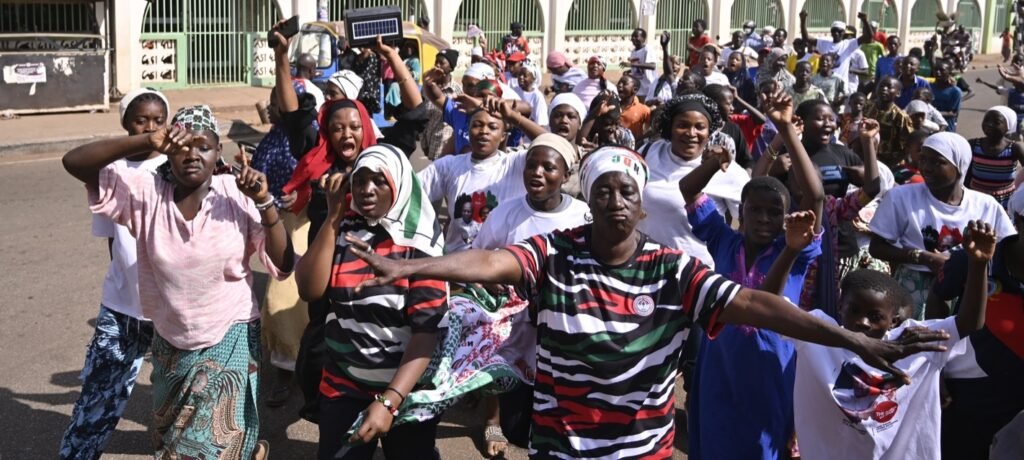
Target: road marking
x,y
33,160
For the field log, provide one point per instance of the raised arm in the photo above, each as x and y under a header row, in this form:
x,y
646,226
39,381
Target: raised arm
x,y
286,97
980,244
408,87
85,161
811,42
666,58
763,310
469,266
780,111
799,234
432,90
754,113
693,183
872,184
867,33
313,272
509,110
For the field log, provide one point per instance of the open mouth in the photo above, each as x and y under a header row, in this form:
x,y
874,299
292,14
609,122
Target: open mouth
x,y
535,185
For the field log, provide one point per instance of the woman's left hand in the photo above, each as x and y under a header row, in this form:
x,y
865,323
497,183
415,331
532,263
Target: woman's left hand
x,y
376,424
252,183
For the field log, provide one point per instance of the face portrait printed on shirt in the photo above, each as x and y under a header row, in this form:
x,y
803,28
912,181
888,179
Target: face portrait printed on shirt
x,y
864,394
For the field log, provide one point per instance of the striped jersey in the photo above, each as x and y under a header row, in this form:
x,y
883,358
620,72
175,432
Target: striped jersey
x,y
366,333
992,174
609,339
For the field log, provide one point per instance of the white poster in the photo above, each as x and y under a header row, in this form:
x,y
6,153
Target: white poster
x,y
647,7
25,73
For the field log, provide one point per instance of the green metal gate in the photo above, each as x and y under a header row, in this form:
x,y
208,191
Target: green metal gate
x,y
601,17
203,43
677,18
414,8
821,13
922,15
1001,19
494,16
763,12
885,13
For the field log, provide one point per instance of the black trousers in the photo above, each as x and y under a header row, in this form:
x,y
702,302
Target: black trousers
x,y
411,441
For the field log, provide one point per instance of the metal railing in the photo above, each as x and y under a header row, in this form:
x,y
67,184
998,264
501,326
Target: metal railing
x,y
922,15
601,17
763,12
885,13
677,18
415,8
969,14
821,13
56,17
493,17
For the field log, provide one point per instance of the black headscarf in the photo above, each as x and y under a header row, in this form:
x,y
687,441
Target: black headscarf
x,y
690,102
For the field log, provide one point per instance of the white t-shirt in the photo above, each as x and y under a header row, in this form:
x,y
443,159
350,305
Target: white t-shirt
x,y
121,284
647,77
663,92
857,61
666,220
745,50
589,88
832,417
716,78
486,183
844,50
537,102
514,221
910,217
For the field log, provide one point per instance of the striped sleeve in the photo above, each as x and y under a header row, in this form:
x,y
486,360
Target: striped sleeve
x,y
705,293
531,254
426,302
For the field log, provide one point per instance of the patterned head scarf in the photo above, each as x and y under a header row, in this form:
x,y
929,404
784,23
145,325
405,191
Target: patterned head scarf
x,y
196,118
410,220
612,159
690,102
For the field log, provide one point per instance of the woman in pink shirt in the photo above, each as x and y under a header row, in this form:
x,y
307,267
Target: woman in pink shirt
x,y
195,233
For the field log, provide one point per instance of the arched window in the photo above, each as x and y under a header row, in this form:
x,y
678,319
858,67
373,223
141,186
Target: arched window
x,y
885,13
922,14
821,14
601,17
495,16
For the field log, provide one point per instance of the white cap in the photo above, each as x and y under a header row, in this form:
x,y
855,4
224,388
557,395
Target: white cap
x,y
839,25
477,51
349,83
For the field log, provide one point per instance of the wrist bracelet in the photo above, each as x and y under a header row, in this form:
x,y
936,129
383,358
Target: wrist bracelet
x,y
772,154
266,204
399,393
387,404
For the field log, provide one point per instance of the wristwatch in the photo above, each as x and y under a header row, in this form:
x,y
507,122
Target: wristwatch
x,y
387,404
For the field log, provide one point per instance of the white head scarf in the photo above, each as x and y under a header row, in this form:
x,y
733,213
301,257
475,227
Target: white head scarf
x,y
349,83
612,159
570,99
480,71
134,94
1008,115
559,145
410,221
952,147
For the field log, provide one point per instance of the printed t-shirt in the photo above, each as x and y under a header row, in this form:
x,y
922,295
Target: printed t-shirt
x,y
121,284
609,342
194,276
460,179
844,405
515,220
367,332
910,217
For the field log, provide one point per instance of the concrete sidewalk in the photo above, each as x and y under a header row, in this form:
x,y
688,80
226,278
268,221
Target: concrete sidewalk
x,y
31,134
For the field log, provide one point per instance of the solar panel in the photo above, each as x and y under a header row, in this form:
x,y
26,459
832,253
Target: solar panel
x,y
362,26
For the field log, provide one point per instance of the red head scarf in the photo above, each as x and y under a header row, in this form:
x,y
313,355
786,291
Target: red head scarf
x,y
319,159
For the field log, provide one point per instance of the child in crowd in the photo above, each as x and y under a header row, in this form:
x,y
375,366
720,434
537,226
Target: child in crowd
x,y
908,172
843,405
849,121
530,93
886,65
803,90
917,225
725,98
995,159
663,89
933,114
946,95
636,116
721,406
735,71
698,40
603,125
917,110
894,123
829,83
986,372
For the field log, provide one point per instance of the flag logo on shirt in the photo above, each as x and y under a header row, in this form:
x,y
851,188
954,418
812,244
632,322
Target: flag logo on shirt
x,y
643,305
862,394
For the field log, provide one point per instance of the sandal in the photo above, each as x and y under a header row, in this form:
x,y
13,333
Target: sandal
x,y
262,451
493,436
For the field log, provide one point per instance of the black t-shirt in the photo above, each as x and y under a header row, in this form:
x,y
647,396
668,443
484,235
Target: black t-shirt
x,y
742,154
996,346
832,161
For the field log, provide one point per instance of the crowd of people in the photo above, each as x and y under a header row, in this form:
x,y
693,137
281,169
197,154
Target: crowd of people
x,y
793,227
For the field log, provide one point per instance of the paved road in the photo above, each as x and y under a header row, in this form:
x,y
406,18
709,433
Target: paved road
x,y
53,273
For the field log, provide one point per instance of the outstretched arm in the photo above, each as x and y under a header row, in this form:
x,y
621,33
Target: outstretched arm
x,y
469,266
763,310
85,161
